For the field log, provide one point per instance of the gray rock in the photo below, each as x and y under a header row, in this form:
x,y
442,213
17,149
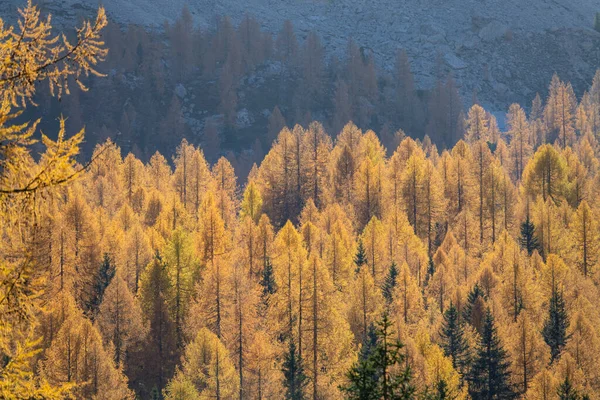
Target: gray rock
x,y
180,91
471,42
244,118
436,39
500,88
493,31
454,61
587,45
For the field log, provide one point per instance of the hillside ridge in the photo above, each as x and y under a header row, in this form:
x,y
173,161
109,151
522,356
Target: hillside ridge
x,y
505,51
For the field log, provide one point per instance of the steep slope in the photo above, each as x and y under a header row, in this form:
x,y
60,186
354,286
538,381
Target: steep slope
x,y
506,51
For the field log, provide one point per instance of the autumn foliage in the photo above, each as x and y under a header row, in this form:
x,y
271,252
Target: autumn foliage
x,y
337,268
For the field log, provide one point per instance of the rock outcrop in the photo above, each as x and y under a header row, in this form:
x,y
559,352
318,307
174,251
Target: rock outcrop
x,y
505,50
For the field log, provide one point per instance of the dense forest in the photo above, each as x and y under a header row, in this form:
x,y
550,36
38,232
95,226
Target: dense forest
x,y
343,266
232,89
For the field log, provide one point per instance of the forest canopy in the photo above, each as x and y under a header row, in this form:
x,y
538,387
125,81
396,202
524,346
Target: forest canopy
x,y
340,268
231,88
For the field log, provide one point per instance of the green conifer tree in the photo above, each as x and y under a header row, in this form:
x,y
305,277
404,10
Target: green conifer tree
x,y
474,294
387,357
360,258
369,343
268,287
555,326
566,391
390,283
489,377
362,385
442,392
528,240
430,268
384,374
454,343
102,279
267,280
293,372
363,375
438,392
159,350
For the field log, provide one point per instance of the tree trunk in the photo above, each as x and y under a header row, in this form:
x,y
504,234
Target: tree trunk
x,y
315,334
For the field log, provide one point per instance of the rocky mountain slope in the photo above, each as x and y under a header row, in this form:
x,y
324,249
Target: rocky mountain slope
x,y
505,50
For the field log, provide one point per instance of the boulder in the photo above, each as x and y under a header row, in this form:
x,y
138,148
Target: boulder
x,y
454,61
244,118
493,31
180,91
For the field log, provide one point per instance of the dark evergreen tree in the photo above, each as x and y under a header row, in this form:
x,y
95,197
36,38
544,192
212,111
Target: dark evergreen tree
x,y
454,343
293,373
360,258
384,374
159,353
363,385
267,280
430,268
439,392
369,343
386,357
528,239
472,299
566,391
489,377
102,279
390,283
268,285
363,375
555,326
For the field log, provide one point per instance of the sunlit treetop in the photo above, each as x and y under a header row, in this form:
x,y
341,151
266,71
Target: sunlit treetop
x,y
31,53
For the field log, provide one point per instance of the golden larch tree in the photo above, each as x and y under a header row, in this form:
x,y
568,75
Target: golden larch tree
x,y
120,318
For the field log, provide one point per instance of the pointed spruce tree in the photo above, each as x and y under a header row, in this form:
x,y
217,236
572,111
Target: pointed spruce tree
x,y
363,384
439,391
528,239
293,373
360,258
390,283
268,287
384,374
386,358
102,279
454,343
267,280
472,312
555,326
489,377
159,349
566,391
363,376
369,343
430,268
